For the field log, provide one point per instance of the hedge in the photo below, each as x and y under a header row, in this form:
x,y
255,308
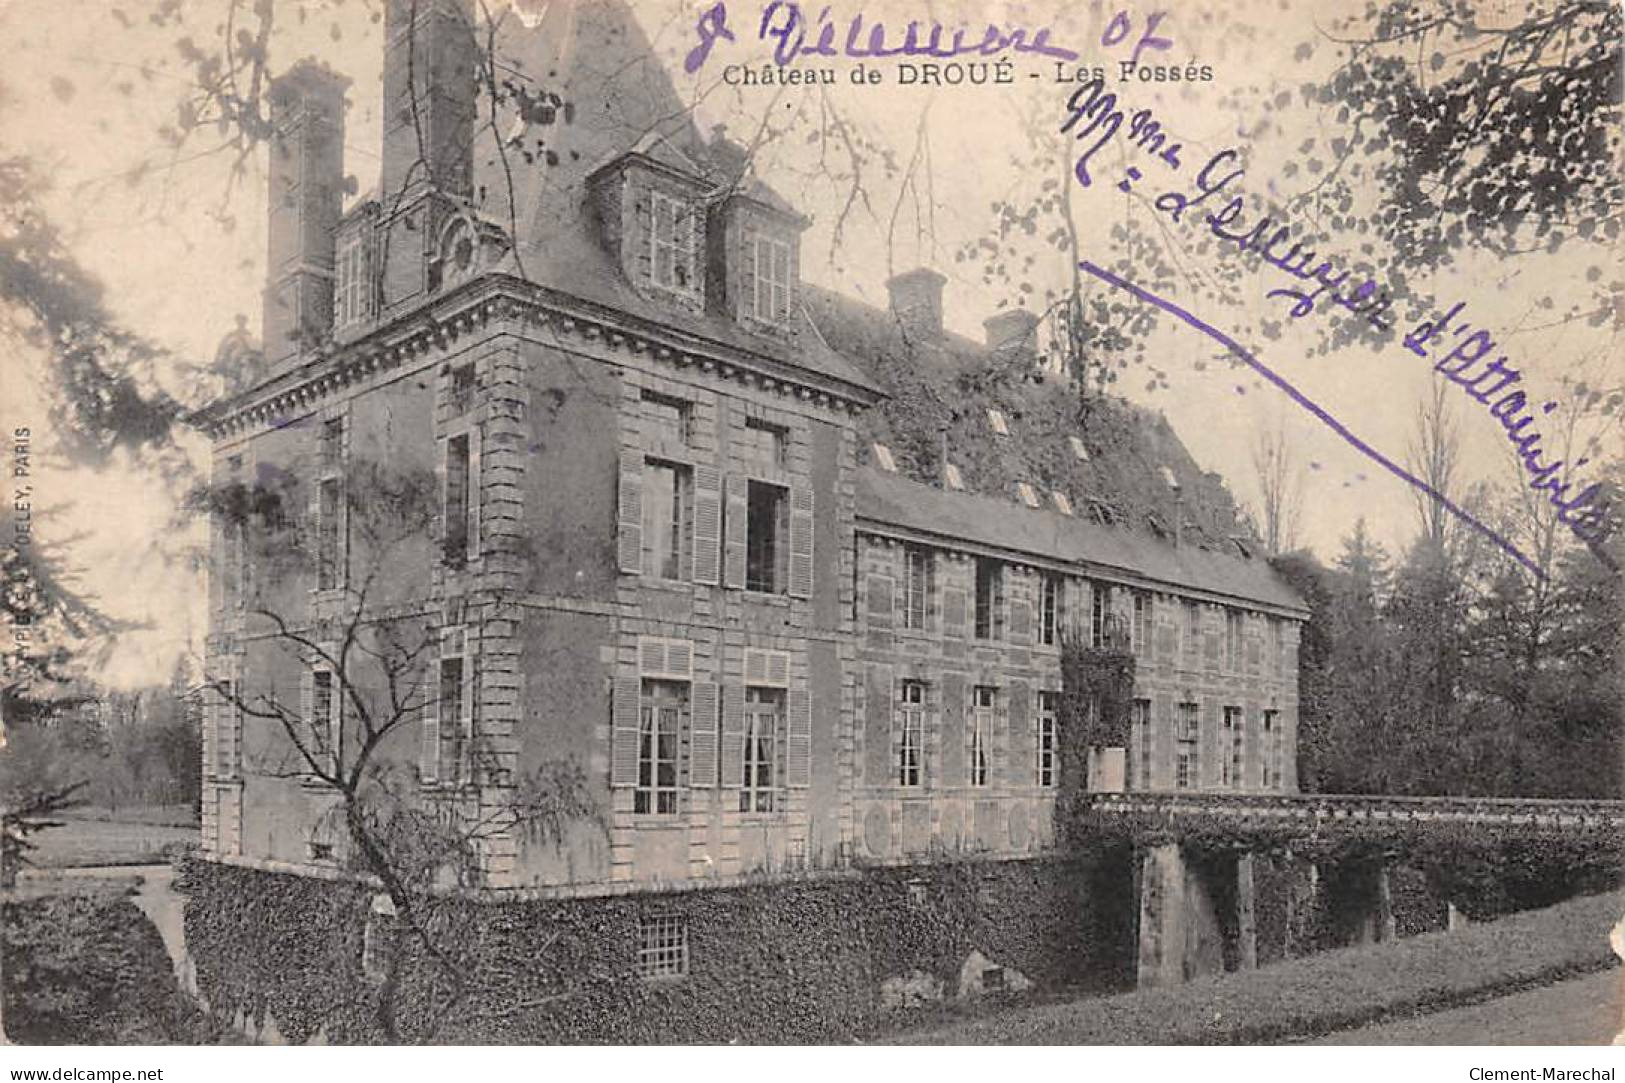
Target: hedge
x,y
90,969
1317,994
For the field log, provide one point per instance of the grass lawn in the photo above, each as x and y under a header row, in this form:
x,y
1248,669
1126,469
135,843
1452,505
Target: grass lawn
x,y
86,842
1321,993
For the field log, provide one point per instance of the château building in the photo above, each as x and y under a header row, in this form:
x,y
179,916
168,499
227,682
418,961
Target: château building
x,y
782,579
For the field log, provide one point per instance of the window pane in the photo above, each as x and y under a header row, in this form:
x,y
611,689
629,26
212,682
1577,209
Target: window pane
x,y
764,511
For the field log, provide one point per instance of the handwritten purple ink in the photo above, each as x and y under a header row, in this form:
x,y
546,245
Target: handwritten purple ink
x,y
1314,408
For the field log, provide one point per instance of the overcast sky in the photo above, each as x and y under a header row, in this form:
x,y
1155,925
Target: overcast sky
x,y
180,245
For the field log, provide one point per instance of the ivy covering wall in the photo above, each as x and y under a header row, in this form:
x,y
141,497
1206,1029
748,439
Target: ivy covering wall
x,y
803,961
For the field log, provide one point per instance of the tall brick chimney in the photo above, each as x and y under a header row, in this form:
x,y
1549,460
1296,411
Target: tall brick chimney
x,y
916,301
1013,329
430,73
306,194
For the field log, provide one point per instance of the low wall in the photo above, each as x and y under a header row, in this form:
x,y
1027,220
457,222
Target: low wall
x,y
810,961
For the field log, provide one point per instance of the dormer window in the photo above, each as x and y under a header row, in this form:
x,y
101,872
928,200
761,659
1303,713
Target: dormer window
x,y
673,243
350,294
771,296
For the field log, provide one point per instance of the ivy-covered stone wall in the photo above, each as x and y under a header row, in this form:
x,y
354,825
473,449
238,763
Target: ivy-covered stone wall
x,y
815,960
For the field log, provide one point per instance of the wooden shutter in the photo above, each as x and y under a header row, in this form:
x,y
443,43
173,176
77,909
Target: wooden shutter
x,y
735,527
707,523
732,757
629,513
467,704
624,717
798,766
747,273
475,495
702,743
307,710
801,542
429,747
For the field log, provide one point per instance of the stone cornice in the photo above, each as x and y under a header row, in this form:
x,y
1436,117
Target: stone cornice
x,y
439,325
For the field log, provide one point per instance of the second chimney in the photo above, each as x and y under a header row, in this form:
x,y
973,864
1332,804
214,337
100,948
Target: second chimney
x,y
916,301
1012,328
305,196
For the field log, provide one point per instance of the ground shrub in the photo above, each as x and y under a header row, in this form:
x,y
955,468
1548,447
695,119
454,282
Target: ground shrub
x,y
90,969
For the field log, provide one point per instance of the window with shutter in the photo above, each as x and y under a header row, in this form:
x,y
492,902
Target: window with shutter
x,y
429,733
629,513
702,742
733,735
759,751
667,499
707,524
736,532
801,542
798,765
625,708
660,725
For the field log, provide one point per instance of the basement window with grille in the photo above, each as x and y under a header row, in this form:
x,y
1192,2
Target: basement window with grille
x,y
662,947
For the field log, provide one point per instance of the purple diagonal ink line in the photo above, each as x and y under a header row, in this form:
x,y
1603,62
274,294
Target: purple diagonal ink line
x,y
1314,408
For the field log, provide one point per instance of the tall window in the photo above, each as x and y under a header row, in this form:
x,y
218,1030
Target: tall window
x,y
458,463
989,598
1049,610
1142,743
665,419
764,708
673,243
664,704
916,586
1271,758
1142,623
983,702
1187,753
1232,760
764,527
1048,752
228,732
1192,652
1232,639
911,734
772,296
350,290
1100,616
1277,648
665,506
325,725
455,714
234,570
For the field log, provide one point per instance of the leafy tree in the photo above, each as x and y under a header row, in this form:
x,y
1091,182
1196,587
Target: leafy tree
x,y
384,674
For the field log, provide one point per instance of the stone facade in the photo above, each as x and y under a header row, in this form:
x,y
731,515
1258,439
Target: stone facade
x,y
656,562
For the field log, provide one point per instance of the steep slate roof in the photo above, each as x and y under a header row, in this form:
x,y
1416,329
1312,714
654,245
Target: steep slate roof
x,y
889,499
939,389
617,97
